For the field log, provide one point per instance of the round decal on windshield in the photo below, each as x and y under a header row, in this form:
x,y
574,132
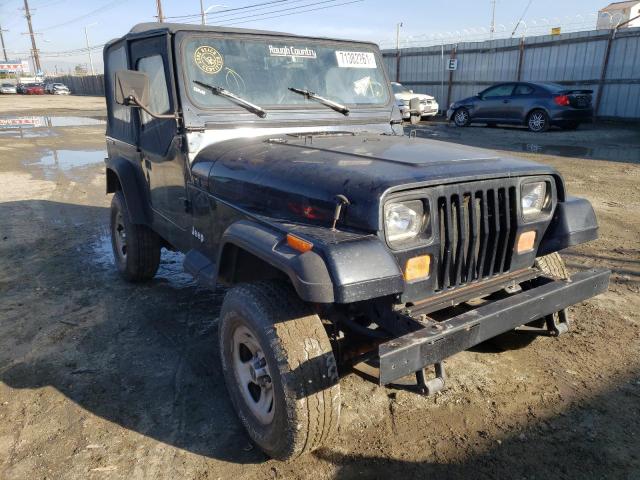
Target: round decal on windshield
x,y
208,59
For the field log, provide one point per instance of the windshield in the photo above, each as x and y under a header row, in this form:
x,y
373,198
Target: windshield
x,y
399,88
262,71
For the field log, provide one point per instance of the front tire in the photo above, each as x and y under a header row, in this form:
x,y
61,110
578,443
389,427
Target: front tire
x,y
279,369
136,248
538,121
461,117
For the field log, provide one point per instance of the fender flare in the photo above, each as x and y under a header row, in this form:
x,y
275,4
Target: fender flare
x,y
134,187
327,274
307,271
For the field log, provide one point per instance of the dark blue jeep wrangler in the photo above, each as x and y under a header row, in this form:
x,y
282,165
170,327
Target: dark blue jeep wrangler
x,y
277,164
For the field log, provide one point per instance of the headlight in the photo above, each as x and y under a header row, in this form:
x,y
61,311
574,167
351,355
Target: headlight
x,y
533,198
403,221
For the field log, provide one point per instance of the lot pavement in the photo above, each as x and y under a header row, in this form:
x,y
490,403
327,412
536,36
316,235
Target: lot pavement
x,y
101,379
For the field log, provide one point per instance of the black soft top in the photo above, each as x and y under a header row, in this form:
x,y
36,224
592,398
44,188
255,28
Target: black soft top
x,y
154,27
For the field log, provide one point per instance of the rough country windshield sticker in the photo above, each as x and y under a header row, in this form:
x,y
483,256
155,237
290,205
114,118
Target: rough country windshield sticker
x,y
208,59
290,51
356,59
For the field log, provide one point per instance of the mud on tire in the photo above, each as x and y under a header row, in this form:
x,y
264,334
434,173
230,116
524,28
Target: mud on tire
x,y
136,248
300,363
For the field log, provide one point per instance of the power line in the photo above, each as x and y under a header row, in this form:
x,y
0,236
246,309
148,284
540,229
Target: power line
x,y
83,16
302,11
219,14
233,9
521,18
313,4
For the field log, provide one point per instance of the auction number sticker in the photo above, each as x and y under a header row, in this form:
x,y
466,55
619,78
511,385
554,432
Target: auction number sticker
x,y
356,59
208,59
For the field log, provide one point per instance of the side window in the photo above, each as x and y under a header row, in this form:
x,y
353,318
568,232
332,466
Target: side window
x,y
499,91
158,93
523,90
117,60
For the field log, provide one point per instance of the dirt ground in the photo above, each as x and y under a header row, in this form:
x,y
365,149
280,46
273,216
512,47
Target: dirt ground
x,y
100,379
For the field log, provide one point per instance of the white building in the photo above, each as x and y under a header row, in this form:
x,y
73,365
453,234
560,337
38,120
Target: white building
x,y
618,13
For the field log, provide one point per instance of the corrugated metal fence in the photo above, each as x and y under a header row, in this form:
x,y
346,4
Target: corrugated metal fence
x,y
82,85
600,60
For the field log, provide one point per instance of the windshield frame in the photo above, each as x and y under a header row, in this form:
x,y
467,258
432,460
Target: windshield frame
x,y
182,39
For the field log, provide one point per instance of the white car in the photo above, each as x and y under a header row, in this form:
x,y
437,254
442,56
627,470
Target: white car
x,y
57,89
8,88
427,107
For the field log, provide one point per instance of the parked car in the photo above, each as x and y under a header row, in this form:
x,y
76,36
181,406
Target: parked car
x,y
536,105
8,88
57,89
35,89
424,106
340,240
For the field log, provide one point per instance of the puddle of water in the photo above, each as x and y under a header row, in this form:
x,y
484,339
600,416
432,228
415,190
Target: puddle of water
x,y
38,126
55,162
170,263
614,153
49,122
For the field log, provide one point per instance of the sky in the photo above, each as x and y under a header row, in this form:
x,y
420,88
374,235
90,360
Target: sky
x,y
61,23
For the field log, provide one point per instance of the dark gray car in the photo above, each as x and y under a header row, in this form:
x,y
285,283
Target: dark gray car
x,y
536,105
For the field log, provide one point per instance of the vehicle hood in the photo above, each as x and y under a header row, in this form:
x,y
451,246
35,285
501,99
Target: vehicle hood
x,y
467,101
408,96
297,178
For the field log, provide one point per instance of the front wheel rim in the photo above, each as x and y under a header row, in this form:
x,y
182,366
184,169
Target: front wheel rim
x,y
253,375
120,236
537,121
461,117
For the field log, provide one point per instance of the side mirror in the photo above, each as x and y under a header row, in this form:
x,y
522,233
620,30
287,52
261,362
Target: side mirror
x,y
132,88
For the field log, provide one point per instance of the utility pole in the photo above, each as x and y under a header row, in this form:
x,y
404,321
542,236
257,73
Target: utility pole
x,y
4,49
86,37
493,19
398,25
159,7
34,48
202,13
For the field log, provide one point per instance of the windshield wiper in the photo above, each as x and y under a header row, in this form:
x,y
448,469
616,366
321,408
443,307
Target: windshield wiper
x,y
233,97
324,101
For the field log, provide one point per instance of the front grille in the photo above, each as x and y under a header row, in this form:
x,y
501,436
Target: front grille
x,y
477,234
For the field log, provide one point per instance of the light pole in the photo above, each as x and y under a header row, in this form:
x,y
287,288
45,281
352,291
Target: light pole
x,y
398,25
203,11
86,37
4,50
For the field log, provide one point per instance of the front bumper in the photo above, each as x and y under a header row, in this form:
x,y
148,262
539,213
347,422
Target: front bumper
x,y
412,352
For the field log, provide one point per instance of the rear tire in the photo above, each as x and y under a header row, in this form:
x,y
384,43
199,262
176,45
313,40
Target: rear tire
x,y
461,117
551,265
136,248
538,121
266,330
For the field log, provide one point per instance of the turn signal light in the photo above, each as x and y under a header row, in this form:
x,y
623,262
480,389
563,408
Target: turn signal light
x,y
298,243
417,268
526,241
